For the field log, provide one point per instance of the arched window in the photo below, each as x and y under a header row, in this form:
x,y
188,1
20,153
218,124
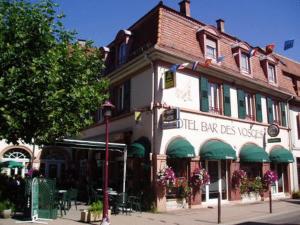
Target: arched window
x,y
16,153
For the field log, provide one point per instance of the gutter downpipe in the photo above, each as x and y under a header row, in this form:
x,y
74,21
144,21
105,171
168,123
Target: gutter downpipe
x,y
292,170
153,114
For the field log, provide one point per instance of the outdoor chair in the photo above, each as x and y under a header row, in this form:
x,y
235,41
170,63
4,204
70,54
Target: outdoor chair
x,y
62,202
93,195
121,204
72,196
135,203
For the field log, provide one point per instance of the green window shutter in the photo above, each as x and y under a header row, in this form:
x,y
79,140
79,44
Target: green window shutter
x,y
204,107
283,114
241,104
258,108
127,96
226,100
270,110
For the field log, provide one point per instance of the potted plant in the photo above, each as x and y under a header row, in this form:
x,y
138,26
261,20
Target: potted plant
x,y
95,211
6,208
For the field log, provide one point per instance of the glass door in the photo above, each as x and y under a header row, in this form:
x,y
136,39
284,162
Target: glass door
x,y
217,171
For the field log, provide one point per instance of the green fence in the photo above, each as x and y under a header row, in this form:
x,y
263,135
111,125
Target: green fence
x,y
47,202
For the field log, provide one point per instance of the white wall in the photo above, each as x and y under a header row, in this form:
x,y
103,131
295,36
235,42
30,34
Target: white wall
x,y
141,89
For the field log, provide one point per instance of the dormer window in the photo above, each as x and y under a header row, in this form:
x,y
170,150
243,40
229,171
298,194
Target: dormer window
x,y
208,37
122,47
122,53
272,74
269,67
242,54
245,64
211,48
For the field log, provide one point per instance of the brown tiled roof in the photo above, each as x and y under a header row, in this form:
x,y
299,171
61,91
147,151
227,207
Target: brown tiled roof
x,y
289,66
168,29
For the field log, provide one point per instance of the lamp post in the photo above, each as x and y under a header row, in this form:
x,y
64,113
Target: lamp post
x,y
107,108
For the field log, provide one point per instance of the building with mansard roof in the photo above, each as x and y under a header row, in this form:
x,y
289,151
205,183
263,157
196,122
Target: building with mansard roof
x,y
215,115
225,107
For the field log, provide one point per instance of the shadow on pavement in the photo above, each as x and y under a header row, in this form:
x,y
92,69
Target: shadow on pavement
x,y
294,201
259,223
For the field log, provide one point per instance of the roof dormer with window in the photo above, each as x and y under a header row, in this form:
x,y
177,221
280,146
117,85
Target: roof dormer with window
x,y
269,66
242,56
122,46
208,38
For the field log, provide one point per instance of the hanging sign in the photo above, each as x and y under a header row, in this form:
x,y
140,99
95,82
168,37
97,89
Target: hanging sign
x,y
170,79
273,130
274,140
171,118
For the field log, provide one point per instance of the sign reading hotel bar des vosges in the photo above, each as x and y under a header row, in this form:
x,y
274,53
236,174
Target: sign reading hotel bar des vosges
x,y
218,128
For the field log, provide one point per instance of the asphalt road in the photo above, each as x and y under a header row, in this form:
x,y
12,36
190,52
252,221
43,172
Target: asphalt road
x,y
292,218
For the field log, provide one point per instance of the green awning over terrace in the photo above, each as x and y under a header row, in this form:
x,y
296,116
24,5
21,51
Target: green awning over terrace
x,y
281,155
217,150
253,153
180,148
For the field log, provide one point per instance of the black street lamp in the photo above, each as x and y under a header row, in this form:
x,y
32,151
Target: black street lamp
x,y
107,108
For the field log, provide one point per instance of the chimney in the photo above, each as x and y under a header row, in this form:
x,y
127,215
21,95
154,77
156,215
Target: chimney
x,y
81,42
221,25
185,8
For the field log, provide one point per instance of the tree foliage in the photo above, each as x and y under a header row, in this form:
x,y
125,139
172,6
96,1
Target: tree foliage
x,y
48,82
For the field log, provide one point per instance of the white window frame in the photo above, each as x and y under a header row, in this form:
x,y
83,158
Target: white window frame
x,y
213,46
214,97
272,78
276,111
245,63
249,105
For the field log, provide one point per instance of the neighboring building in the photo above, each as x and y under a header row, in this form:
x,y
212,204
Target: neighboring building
x,y
291,72
225,108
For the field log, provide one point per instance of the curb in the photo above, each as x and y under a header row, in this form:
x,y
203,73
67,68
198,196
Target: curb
x,y
261,217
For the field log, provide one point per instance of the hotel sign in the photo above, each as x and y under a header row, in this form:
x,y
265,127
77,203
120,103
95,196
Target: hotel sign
x,y
170,79
170,118
219,128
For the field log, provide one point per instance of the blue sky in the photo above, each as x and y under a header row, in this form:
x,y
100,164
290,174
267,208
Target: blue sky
x,y
258,22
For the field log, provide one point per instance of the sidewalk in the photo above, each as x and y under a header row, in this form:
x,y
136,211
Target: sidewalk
x,y
231,214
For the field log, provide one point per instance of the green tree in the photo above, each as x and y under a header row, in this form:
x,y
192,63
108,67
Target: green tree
x,y
48,82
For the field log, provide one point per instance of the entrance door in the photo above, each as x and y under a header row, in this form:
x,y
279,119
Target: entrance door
x,y
217,171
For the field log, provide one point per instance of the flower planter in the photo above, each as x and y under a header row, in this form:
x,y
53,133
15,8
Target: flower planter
x,y
6,213
251,197
87,216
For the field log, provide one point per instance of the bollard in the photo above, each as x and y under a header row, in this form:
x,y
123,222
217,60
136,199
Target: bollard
x,y
270,200
219,207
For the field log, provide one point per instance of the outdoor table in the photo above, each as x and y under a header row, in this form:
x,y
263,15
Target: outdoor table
x,y
62,191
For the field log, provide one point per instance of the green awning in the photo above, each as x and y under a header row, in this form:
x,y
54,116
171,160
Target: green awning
x,y
253,153
281,155
11,164
217,150
139,148
180,148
